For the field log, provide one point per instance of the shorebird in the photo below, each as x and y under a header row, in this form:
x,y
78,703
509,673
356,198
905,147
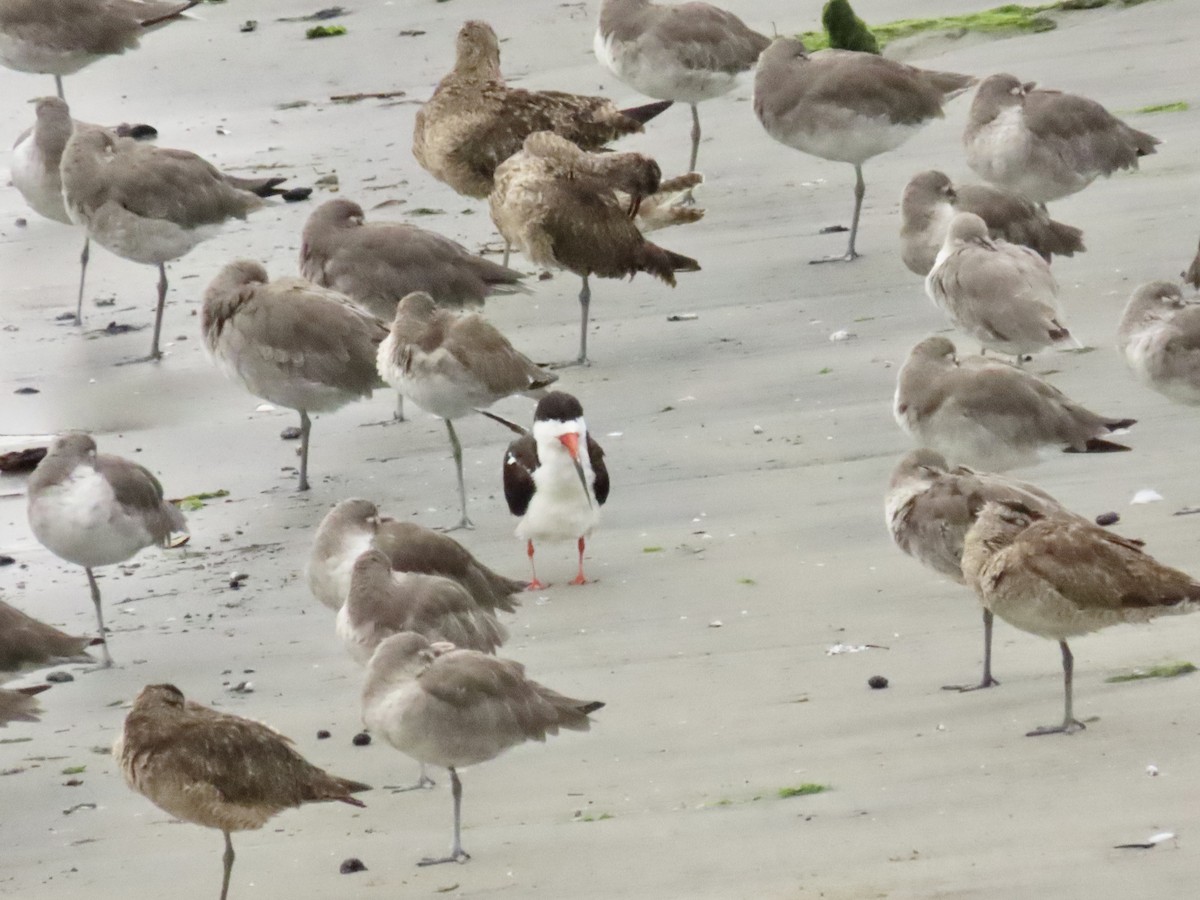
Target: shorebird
x,y
1060,578
18,705
290,342
355,526
454,708
95,509
474,121
382,603
929,508
846,106
1004,295
931,200
147,204
1191,275
1045,145
60,37
555,479
451,364
559,206
991,414
1159,337
26,643
215,769
686,53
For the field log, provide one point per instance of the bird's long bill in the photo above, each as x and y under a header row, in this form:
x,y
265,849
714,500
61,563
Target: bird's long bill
x,y
570,440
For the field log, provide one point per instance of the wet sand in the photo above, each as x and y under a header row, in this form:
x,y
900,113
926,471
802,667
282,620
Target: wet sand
x,y
778,536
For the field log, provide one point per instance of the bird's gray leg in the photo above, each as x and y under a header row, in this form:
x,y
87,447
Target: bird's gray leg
x,y
1069,724
457,854
227,859
987,681
399,414
585,299
58,87
695,138
99,616
456,448
83,261
305,429
423,781
860,190
507,251
155,353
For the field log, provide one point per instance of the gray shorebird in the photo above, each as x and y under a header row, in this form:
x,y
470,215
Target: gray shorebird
x,y
215,769
687,53
290,342
18,705
929,507
1159,338
454,708
991,414
846,106
1043,144
60,37
95,509
355,526
1061,578
930,201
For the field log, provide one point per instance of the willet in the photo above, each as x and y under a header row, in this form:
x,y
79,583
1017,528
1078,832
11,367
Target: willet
x,y
18,705
290,342
382,603
929,507
931,200
1060,578
555,479
1159,337
60,37
147,204
26,643
559,206
1045,145
95,509
454,708
687,53
1004,295
355,526
990,414
451,364
215,769
474,121
846,106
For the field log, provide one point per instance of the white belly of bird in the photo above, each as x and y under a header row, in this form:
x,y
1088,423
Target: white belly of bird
x,y
1002,154
28,56
843,136
42,191
137,238
429,388
651,69
1144,353
432,731
81,521
559,510
963,441
277,382
357,640
329,579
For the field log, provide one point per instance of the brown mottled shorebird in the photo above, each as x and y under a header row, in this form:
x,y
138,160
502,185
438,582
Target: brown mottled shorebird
x,y
215,769
291,342
382,603
454,708
26,643
1044,144
18,705
474,121
990,414
147,204
60,37
930,201
355,526
1004,295
95,509
451,364
559,206
1060,578
846,106
1159,337
929,508
688,52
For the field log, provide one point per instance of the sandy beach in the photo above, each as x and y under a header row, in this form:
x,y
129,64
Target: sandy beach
x,y
744,537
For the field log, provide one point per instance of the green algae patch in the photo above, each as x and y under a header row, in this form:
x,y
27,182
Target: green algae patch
x,y
1165,670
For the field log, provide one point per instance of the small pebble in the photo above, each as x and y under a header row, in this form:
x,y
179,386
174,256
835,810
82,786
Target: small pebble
x,y
1108,518
248,26
877,682
236,579
242,687
291,433
27,390
757,429
352,865
1152,770
60,677
322,734
361,739
296,194
6,560
20,222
